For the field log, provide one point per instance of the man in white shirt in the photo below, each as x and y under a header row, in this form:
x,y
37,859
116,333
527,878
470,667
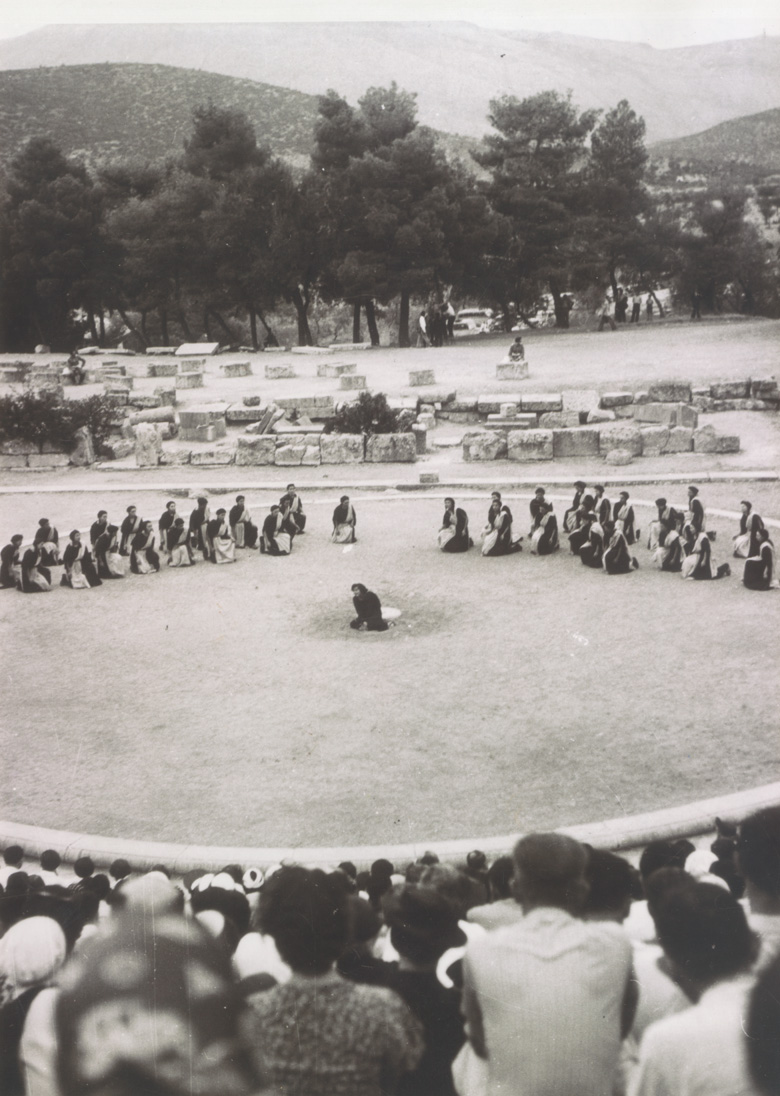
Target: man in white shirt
x,y
710,949
548,1000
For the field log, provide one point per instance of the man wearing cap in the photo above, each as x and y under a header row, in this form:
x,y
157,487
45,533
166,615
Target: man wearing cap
x,y
549,999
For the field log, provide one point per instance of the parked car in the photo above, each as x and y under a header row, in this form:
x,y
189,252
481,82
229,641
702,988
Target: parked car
x,y
477,321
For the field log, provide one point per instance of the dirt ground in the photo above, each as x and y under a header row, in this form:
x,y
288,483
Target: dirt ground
x,y
234,705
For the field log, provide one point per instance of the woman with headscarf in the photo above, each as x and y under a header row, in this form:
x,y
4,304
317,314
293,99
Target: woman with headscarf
x,y
698,563
592,551
180,552
747,541
497,537
368,610
222,543
319,1032
10,563
48,540
275,541
544,530
34,578
623,512
131,525
760,568
344,522
31,954
667,519
80,572
569,516
454,532
243,528
669,552
143,557
110,564
617,558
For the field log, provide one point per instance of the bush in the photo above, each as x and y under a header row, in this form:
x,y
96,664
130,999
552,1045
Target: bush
x,y
41,416
369,414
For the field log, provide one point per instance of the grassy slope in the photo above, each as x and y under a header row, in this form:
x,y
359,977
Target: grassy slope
x,y
753,140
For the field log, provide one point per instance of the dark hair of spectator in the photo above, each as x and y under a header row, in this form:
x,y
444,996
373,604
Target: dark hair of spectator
x,y
664,854
704,931
307,915
235,871
610,884
428,858
349,869
233,905
120,869
763,1026
162,869
13,856
50,860
84,867
500,875
759,851
99,885
382,869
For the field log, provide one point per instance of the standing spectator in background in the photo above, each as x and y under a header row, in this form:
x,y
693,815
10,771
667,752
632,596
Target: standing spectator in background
x,y
621,305
422,331
606,314
649,307
449,317
636,308
50,861
696,302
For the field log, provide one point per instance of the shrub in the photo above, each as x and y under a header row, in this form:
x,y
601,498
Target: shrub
x,y
41,416
368,414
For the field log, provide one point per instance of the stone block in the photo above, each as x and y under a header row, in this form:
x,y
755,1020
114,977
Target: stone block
x,y
705,440
11,375
162,369
620,436
420,432
235,369
730,390
199,413
687,415
559,420
48,460
429,477
462,406
508,410
51,447
351,382
83,453
15,447
276,349
311,456
144,403
667,414
278,372
680,440
654,440
289,455
490,404
18,460
194,350
221,456
189,380
118,381
764,388
619,456
351,346
530,445
341,448
464,417
311,351
192,365
583,442
207,431
177,456
335,369
479,445
116,449
512,371
627,412
428,421
161,350
256,450
148,446
167,395
601,415
616,399
670,392
392,449
166,430
641,396
237,413
420,377
545,401
517,422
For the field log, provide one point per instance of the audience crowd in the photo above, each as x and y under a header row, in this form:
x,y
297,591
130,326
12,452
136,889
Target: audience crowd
x,y
562,970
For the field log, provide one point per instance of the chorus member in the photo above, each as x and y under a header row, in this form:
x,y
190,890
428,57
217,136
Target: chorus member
x,y
669,551
696,510
623,511
344,522
698,563
10,563
199,527
130,526
48,540
538,508
291,502
98,527
592,551
179,546
275,540
36,576
222,543
582,522
110,563
617,558
243,528
454,532
570,515
80,572
747,542
368,610
667,518
143,557
760,568
602,506
497,534
544,539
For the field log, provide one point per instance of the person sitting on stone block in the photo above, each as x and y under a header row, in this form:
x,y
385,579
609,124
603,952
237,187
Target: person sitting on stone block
x,y
517,350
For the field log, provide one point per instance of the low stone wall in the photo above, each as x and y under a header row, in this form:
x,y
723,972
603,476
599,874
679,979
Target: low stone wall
x,y
759,394
305,449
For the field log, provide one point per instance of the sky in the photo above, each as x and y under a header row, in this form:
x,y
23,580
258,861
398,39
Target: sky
x,y
661,23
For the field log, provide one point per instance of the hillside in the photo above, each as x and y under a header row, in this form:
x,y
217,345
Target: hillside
x,y
455,67
754,141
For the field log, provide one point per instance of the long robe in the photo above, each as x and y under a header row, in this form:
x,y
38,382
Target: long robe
x,y
603,508
344,522
698,563
698,517
129,528
369,612
760,568
538,507
35,576
80,571
163,525
291,502
570,514
579,534
746,542
222,543
110,564
624,511
243,528
96,529
199,527
10,566
497,535
178,544
544,540
47,539
454,532
669,554
617,558
143,558
592,552
275,541
667,519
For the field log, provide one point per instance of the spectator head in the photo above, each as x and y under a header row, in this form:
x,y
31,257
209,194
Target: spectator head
x,y
150,895
746,506
550,871
539,492
500,875
119,870
170,506
476,862
758,858
99,885
610,881
232,904
664,854
13,856
202,501
428,858
102,514
162,869
308,917
31,953
423,924
50,860
17,539
172,977
349,869
17,883
84,867
704,933
460,890
763,1025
